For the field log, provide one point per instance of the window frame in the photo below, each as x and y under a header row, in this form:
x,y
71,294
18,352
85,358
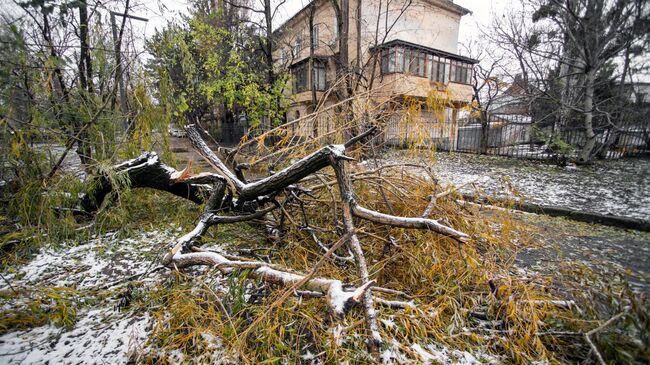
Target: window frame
x,y
320,74
300,74
315,39
462,72
297,46
420,63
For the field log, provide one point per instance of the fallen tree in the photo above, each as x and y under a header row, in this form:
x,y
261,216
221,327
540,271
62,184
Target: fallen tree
x,y
229,198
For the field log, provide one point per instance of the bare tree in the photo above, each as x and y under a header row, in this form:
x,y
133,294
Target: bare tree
x,y
487,86
562,46
267,11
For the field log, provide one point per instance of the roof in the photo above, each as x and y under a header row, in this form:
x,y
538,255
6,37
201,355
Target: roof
x,y
306,59
448,4
296,15
399,42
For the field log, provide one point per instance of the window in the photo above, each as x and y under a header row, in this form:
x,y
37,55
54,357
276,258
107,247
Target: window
x,y
399,60
299,74
297,46
416,63
319,75
420,63
283,56
385,55
335,30
454,70
389,60
438,69
407,60
444,71
315,38
301,79
461,72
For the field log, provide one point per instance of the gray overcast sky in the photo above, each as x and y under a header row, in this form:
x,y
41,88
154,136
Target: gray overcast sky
x,y
482,13
159,12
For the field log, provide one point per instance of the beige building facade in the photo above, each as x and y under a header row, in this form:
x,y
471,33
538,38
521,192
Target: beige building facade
x,y
400,50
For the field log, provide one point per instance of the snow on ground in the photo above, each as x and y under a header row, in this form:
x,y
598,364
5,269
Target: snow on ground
x,y
104,335
100,336
101,333
432,353
615,253
100,261
619,187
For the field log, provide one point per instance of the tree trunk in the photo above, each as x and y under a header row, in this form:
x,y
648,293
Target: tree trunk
x,y
358,24
342,12
619,115
588,106
85,66
312,70
565,87
269,42
145,171
485,133
85,79
119,73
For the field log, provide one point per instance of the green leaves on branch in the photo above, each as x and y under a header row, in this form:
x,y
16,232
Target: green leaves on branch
x,y
209,69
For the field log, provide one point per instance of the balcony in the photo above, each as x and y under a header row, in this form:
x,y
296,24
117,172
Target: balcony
x,y
415,70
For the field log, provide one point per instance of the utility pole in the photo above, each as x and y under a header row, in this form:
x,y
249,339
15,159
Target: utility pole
x,y
119,74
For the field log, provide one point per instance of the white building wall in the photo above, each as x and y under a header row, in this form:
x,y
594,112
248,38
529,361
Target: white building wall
x,y
422,23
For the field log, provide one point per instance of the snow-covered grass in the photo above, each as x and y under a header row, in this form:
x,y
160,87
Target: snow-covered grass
x,y
93,272
86,265
85,272
431,353
618,187
180,316
101,335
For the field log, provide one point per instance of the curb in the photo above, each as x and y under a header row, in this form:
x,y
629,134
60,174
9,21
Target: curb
x,y
577,215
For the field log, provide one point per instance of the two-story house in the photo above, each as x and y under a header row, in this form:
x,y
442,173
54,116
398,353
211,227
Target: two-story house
x,y
402,49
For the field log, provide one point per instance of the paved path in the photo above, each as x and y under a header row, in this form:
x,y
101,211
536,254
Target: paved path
x,y
614,253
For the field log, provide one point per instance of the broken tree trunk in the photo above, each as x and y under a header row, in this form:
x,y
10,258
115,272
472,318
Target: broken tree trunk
x,y
144,171
233,200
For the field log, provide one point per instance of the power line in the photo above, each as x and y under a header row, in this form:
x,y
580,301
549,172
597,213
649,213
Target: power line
x,y
65,46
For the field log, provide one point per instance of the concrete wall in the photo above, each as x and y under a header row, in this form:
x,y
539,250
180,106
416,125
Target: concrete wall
x,y
324,126
402,84
324,19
